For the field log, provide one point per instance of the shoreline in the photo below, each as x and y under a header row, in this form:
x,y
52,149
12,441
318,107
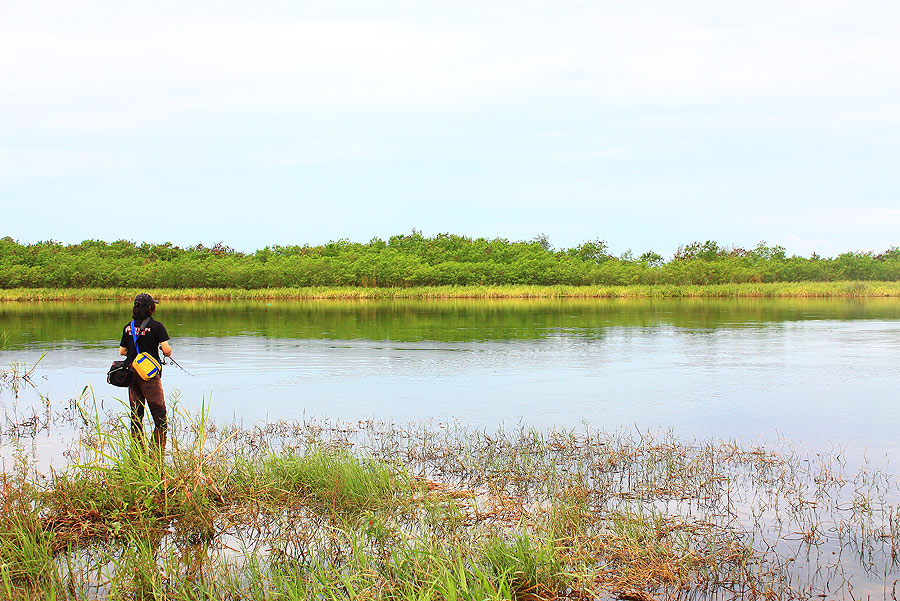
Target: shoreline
x,y
843,289
453,506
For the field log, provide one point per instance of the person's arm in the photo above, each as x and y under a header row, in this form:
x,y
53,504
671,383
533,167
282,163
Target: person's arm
x,y
163,337
123,350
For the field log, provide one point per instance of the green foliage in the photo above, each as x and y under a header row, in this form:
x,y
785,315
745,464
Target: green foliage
x,y
25,553
529,568
651,258
286,510
416,260
333,476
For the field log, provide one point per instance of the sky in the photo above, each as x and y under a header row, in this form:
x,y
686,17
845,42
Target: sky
x,y
645,124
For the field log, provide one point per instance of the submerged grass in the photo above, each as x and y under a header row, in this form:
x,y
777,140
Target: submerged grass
x,y
18,375
749,290
316,510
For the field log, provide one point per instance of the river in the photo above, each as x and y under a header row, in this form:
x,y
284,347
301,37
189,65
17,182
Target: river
x,y
823,373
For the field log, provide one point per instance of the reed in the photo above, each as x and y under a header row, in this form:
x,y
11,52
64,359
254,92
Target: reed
x,y
742,290
18,375
369,510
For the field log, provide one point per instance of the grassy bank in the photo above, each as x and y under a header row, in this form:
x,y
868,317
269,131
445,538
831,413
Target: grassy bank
x,y
747,290
367,510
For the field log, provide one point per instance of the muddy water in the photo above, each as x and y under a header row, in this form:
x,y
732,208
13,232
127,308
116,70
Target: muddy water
x,y
820,373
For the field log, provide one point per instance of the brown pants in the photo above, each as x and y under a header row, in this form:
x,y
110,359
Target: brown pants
x,y
151,392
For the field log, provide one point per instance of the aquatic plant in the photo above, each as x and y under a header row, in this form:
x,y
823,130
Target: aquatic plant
x,y
18,375
372,510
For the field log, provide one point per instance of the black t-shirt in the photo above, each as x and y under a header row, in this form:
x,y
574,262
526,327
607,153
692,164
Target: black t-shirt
x,y
149,339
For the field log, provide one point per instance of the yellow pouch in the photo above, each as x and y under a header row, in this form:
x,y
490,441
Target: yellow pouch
x,y
146,366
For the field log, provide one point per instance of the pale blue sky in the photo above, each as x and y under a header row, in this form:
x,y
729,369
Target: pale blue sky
x,y
647,124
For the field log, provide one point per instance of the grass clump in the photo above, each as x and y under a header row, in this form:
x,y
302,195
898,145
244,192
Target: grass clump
x,y
26,552
529,568
308,510
121,486
26,556
332,477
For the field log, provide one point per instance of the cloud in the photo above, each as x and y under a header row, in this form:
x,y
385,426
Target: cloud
x,y
831,230
658,121
849,218
325,150
185,69
62,162
556,156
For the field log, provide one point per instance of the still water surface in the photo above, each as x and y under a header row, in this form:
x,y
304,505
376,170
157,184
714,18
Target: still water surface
x,y
818,372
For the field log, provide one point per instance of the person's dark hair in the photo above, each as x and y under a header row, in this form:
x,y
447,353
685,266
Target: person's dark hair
x,y
142,312
144,306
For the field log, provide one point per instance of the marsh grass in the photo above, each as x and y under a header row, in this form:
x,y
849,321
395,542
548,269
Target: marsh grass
x,y
747,290
321,510
17,375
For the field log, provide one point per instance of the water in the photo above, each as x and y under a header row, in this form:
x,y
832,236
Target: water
x,y
820,373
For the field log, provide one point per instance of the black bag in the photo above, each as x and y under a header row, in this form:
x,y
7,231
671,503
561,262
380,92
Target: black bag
x,y
119,374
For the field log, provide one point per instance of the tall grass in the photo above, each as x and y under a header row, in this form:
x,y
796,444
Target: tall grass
x,y
313,510
746,290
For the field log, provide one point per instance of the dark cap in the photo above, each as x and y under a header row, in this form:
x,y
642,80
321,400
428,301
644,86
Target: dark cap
x,y
144,300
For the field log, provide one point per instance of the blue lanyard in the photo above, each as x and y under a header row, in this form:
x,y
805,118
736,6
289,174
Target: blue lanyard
x,y
135,336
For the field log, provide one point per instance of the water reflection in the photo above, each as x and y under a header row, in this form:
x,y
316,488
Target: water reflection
x,y
820,371
52,324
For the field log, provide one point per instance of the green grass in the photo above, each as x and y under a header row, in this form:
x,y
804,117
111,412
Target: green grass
x,y
527,567
746,290
362,511
333,477
25,551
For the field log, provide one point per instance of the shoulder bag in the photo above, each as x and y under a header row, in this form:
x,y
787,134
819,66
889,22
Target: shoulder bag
x,y
119,373
144,365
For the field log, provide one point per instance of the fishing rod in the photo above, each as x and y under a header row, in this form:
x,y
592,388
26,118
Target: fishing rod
x,y
164,362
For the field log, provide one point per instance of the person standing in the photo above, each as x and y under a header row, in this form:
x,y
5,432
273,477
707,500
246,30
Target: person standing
x,y
151,338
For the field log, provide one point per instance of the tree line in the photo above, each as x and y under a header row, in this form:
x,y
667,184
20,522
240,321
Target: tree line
x,y
417,260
